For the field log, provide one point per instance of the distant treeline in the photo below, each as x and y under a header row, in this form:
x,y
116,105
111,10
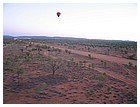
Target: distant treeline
x,y
78,41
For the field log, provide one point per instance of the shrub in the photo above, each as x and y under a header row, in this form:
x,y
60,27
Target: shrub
x,y
84,62
80,63
38,89
89,55
108,88
21,50
68,64
66,51
19,71
125,52
44,46
69,52
34,49
105,64
100,85
92,65
72,59
131,56
89,66
91,91
101,76
59,50
102,62
130,64
89,49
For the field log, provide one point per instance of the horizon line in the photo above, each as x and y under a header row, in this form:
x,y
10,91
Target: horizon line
x,y
69,37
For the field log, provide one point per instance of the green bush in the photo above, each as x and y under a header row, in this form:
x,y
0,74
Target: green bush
x,y
131,56
89,55
91,91
92,65
19,71
101,76
130,64
108,88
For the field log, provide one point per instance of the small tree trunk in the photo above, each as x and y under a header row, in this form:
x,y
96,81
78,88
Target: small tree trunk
x,y
18,79
53,69
53,72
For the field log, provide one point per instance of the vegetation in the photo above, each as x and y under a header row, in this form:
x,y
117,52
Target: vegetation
x,y
101,77
89,55
91,90
104,63
92,65
54,64
130,64
19,72
108,89
89,66
42,71
131,56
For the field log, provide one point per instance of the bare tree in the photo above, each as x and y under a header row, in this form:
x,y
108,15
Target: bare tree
x,y
55,64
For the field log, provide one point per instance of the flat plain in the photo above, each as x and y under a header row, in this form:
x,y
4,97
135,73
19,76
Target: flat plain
x,y
67,71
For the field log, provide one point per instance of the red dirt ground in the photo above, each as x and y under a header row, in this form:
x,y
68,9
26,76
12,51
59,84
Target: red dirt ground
x,y
83,86
107,58
112,74
102,57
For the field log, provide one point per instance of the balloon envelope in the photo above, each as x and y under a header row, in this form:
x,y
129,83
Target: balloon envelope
x,y
58,14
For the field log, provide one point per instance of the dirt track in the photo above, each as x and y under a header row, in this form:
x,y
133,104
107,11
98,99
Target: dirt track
x,y
107,58
114,75
102,57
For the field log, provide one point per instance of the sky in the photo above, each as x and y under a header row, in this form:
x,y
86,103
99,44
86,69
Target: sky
x,y
83,20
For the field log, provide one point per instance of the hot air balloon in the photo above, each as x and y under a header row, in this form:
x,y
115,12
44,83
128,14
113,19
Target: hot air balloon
x,y
58,14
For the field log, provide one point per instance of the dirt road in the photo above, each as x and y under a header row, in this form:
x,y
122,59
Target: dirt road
x,y
102,57
117,76
107,58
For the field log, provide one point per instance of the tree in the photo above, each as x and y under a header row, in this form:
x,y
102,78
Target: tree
x,y
66,51
38,48
72,59
89,49
19,71
105,64
130,64
89,66
21,50
102,62
89,55
131,56
84,62
108,51
81,64
55,64
28,55
92,65
125,51
69,52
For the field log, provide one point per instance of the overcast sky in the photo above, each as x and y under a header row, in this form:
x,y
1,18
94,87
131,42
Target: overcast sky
x,y
87,20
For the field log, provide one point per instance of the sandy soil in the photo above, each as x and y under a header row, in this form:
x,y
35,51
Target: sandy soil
x,y
81,86
107,58
102,57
